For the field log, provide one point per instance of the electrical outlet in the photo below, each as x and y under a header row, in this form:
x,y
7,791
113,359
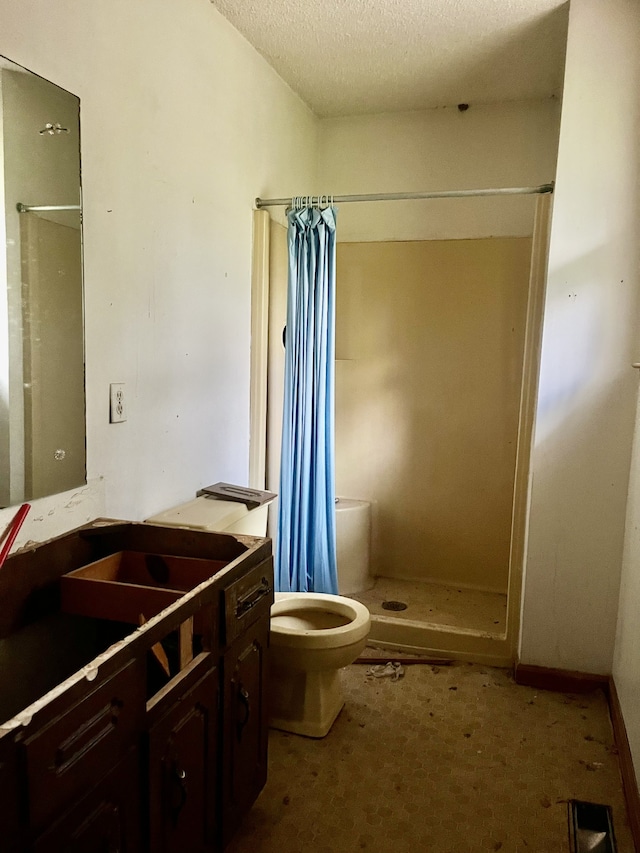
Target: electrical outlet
x,y
117,405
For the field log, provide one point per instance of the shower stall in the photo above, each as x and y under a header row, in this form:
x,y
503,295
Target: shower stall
x,y
436,371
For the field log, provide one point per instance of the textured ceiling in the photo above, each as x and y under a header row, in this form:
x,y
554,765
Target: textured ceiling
x,y
345,57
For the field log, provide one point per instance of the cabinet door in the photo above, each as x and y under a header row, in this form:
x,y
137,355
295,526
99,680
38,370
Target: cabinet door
x,y
245,726
10,799
182,772
107,820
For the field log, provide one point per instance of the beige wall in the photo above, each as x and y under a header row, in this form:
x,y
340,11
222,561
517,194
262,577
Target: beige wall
x,y
182,125
626,662
587,393
494,145
429,345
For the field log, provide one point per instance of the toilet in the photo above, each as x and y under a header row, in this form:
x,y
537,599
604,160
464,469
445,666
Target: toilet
x,y
353,545
313,635
215,516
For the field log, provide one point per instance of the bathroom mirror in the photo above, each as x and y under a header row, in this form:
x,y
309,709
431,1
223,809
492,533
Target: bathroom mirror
x,y
42,390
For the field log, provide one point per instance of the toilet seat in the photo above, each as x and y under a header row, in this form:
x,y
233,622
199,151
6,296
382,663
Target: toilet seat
x,y
316,620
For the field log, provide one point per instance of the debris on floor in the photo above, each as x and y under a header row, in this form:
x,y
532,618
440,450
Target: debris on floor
x,y
396,772
391,670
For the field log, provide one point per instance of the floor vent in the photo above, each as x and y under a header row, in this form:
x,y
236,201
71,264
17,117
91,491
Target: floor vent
x,y
394,605
591,828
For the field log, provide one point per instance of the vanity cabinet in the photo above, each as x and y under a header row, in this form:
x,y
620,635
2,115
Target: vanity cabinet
x,y
158,743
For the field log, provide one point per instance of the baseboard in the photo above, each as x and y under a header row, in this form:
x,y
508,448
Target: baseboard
x,y
560,680
629,782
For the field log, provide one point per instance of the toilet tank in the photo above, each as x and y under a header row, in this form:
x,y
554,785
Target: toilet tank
x,y
215,515
353,545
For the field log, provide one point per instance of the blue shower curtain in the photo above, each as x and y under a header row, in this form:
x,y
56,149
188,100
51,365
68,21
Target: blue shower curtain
x,y
306,542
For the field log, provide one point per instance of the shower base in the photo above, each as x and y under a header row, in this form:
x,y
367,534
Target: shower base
x,y
439,619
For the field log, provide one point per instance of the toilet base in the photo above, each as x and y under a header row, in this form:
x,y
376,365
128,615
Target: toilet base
x,y
305,703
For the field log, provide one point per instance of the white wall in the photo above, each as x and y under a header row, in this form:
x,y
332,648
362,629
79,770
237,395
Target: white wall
x,y
626,664
496,145
587,387
182,125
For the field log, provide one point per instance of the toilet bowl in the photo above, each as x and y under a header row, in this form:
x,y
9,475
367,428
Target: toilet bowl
x,y
313,635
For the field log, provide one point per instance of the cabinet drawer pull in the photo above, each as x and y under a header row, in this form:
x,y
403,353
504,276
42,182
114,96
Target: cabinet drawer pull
x,y
247,603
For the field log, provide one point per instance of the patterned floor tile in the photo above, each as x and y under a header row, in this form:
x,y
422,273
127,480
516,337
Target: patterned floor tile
x,y
453,759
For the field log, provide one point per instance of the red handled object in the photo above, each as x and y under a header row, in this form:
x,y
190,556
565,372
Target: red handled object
x,y
12,531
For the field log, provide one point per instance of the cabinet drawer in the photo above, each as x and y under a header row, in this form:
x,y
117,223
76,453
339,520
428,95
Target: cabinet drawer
x,y
247,599
66,756
108,818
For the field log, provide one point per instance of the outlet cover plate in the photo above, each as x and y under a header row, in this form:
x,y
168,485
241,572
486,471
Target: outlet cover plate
x,y
117,404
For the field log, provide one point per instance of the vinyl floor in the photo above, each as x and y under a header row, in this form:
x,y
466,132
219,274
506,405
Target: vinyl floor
x,y
453,759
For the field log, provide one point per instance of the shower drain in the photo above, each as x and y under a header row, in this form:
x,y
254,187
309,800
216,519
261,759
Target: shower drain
x,y
394,605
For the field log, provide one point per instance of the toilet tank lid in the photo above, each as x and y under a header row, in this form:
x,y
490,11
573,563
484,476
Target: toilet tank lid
x,y
202,514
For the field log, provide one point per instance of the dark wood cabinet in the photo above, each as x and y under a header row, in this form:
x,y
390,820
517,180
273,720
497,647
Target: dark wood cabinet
x,y
10,799
107,820
245,728
183,764
159,743
79,744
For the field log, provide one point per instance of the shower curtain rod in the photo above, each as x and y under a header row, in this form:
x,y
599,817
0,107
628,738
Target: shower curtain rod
x,y
341,199
27,208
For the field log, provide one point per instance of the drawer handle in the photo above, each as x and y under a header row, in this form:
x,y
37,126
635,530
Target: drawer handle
x,y
179,780
254,597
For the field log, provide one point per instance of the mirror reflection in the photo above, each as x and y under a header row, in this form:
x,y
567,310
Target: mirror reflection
x,y
42,397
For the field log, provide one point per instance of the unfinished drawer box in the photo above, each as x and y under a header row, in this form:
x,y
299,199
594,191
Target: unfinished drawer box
x,y
129,584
